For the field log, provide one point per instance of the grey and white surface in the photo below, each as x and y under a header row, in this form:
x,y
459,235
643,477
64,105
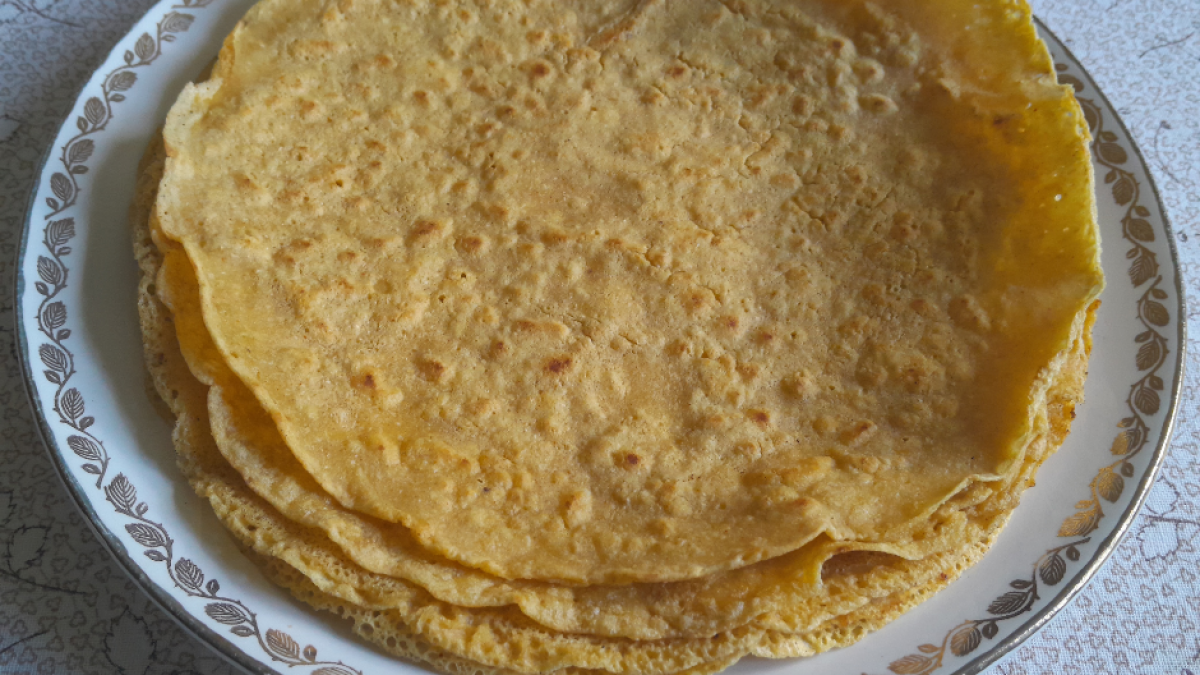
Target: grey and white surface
x,y
65,607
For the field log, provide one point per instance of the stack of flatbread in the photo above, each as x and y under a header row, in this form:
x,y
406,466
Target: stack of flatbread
x,y
627,336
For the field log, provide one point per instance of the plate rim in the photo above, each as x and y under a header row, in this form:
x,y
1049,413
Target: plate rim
x,y
241,658
109,540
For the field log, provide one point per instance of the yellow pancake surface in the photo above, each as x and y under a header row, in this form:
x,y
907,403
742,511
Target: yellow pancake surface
x,y
611,292
785,587
410,627
408,622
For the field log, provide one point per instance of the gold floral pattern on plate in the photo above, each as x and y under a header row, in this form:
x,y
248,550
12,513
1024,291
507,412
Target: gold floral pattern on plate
x,y
59,361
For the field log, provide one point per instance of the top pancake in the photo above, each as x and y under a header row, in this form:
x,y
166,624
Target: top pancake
x,y
603,292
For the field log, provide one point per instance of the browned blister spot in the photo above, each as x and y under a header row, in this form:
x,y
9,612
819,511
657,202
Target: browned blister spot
x,y
799,385
968,313
539,69
857,327
550,328
923,307
904,227
313,49
760,417
825,424
427,231
680,347
747,450
309,110
878,104
749,371
470,244
698,301
653,97
554,237
291,253
858,433
433,370
716,421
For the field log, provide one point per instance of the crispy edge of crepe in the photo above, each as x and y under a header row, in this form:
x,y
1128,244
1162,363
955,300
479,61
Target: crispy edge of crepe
x,y
391,634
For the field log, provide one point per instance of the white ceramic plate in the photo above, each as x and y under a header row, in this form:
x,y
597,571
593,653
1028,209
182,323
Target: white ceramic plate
x,y
81,349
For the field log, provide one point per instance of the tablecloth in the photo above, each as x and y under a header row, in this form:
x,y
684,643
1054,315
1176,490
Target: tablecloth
x,y
65,606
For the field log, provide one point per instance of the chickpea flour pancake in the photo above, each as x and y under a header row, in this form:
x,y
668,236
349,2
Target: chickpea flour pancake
x,y
642,336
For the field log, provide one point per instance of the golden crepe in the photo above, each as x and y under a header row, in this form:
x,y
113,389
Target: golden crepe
x,y
259,528
472,364
622,336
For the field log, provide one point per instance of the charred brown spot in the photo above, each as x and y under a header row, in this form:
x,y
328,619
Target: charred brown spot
x,y
717,421
368,381
483,89
695,300
632,460
431,370
558,365
554,237
760,417
498,211
425,227
498,348
286,255
677,71
469,244
539,69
